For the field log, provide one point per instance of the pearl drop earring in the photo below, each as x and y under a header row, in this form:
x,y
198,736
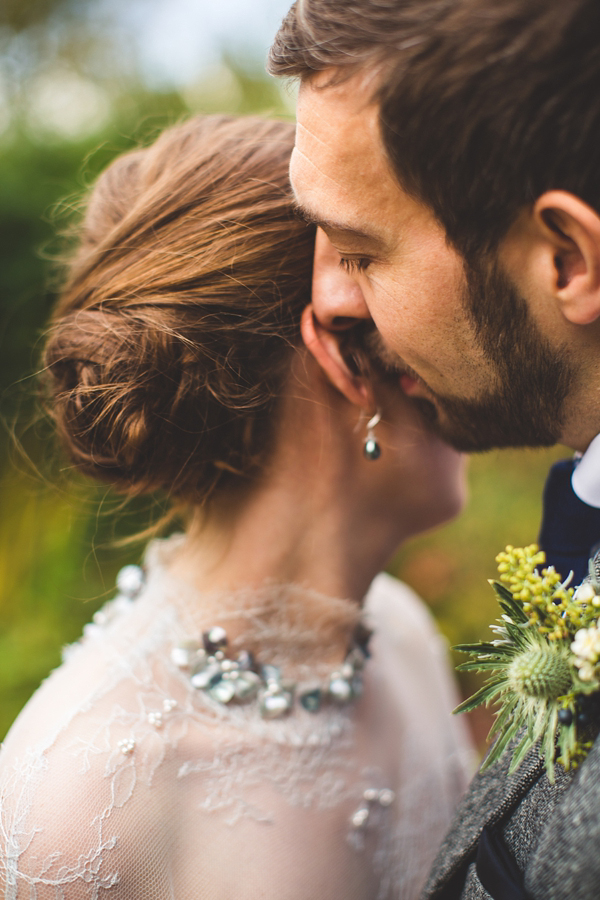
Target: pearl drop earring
x,y
372,449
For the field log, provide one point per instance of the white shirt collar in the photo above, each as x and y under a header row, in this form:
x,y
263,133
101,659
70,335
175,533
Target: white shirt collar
x,y
586,476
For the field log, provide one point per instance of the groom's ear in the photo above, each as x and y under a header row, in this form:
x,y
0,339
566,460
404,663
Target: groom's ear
x,y
568,254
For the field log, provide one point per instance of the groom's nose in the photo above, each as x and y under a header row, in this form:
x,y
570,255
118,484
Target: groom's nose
x,y
337,299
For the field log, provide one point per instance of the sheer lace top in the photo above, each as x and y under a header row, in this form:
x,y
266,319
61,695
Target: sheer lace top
x,y
120,780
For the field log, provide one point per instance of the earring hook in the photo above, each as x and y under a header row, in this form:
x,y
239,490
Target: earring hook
x,y
372,449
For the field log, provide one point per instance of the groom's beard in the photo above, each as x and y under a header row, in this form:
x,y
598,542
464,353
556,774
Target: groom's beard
x,y
526,407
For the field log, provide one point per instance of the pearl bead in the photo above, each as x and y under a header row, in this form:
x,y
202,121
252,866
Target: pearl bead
x,y
339,689
130,581
372,450
386,797
272,706
360,817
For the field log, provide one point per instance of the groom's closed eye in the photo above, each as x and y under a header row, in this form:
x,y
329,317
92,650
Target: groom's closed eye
x,y
355,241
354,265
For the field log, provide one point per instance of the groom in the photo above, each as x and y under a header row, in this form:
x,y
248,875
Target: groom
x,y
449,152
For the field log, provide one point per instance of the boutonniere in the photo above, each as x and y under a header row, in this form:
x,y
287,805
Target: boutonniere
x,y
543,663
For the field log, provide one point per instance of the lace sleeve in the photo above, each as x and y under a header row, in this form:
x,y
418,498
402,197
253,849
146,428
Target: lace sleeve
x,y
119,780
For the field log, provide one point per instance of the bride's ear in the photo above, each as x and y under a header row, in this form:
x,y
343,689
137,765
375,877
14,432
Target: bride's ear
x,y
324,345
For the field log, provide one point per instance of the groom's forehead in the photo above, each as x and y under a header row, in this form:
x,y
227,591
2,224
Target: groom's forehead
x,y
339,169
337,127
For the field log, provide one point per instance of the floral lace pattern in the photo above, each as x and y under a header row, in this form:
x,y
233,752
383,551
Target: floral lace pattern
x,y
119,780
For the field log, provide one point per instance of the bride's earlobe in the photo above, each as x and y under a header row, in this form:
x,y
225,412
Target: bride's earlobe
x,y
324,345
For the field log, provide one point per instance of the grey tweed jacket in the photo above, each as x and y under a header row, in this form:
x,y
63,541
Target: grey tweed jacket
x,y
552,831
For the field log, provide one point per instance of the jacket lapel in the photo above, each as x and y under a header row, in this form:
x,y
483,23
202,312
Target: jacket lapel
x,y
491,796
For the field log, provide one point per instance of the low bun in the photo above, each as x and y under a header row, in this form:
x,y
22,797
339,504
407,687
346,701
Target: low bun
x,y
167,355
114,381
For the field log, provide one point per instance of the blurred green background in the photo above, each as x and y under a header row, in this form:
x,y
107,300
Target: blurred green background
x,y
73,93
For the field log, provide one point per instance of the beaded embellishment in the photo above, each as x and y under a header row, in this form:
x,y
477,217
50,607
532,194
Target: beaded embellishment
x,y
244,679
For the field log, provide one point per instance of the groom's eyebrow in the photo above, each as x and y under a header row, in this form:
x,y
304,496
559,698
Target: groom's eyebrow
x,y
332,227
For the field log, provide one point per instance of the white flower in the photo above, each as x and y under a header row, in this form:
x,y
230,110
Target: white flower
x,y
586,671
585,593
586,645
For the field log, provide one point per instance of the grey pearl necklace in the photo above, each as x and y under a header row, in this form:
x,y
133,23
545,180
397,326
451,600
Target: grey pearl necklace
x,y
244,679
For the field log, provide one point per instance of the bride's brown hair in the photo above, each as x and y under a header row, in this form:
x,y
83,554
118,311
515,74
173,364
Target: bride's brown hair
x,y
173,334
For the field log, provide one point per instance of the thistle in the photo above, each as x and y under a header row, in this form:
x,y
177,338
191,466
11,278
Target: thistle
x,y
544,661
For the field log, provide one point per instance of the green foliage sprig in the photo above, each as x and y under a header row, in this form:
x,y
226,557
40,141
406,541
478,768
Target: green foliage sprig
x,y
544,661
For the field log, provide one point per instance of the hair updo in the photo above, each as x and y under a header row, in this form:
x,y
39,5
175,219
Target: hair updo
x,y
173,335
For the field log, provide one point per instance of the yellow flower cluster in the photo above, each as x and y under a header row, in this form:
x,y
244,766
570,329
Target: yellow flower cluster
x,y
546,602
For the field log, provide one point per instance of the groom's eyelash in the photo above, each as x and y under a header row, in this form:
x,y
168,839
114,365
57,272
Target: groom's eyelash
x,y
353,266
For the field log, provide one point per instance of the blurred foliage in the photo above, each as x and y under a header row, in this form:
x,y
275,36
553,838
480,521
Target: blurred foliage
x,y
58,553
58,536
22,14
450,567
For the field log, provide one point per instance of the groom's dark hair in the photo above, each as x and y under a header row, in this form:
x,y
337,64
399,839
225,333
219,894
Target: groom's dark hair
x,y
484,104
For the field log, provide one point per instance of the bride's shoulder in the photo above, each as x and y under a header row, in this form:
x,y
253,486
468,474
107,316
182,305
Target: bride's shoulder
x,y
414,656
398,612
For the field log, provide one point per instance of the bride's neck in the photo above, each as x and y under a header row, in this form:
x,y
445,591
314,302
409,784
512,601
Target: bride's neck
x,y
286,533
310,521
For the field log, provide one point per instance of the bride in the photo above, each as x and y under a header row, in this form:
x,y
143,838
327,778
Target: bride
x,y
258,713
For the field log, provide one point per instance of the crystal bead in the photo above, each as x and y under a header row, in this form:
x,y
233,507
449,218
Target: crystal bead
x,y
271,674
228,665
356,659
223,691
386,797
339,689
357,686
245,660
311,699
273,705
360,817
347,671
206,678
130,581
188,655
246,685
214,639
